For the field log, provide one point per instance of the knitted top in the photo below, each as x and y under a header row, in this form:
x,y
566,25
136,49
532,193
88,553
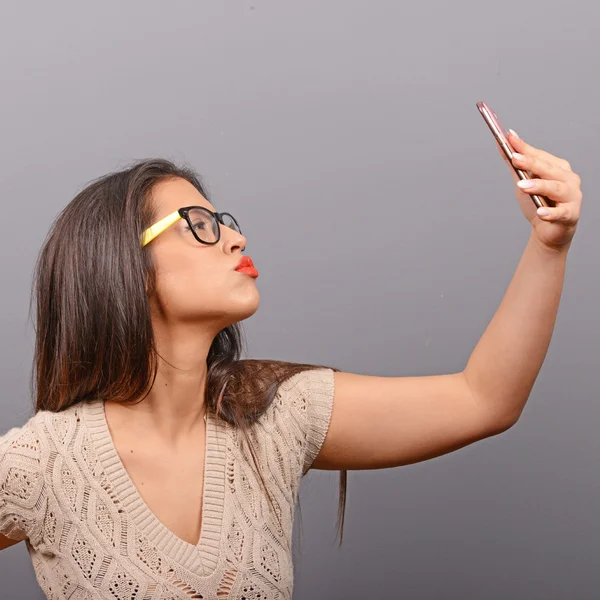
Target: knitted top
x,y
64,489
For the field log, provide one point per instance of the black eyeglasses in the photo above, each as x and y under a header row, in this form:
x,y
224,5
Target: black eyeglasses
x,y
203,223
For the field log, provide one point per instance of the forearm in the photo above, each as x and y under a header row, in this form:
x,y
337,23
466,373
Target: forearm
x,y
505,363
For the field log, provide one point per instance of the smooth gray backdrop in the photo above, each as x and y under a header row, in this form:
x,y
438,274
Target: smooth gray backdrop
x,y
344,135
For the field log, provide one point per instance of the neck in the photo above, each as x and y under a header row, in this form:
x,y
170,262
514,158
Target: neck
x,y
175,406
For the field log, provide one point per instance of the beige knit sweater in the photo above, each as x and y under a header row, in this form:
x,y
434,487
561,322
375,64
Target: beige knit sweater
x,y
64,489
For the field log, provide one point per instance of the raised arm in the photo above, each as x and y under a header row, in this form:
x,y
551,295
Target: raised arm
x,y
382,422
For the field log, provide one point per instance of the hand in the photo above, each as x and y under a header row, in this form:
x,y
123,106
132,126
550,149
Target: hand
x,y
553,178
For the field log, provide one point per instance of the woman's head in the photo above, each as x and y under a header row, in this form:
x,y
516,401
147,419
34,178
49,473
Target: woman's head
x,y
194,261
100,295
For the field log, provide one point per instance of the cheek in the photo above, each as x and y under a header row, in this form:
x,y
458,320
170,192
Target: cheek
x,y
189,288
185,280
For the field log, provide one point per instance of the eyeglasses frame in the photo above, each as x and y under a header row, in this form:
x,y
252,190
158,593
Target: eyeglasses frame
x,y
183,213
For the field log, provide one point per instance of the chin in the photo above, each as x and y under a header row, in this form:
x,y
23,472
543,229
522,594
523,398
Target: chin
x,y
245,307
250,308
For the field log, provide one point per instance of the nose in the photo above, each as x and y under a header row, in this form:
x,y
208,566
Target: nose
x,y
232,240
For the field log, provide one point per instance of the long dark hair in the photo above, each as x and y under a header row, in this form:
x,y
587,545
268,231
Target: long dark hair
x,y
94,336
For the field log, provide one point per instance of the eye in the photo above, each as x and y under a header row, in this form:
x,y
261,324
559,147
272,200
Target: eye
x,y
199,224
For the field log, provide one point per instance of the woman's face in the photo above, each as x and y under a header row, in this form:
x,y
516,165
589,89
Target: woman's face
x,y
197,283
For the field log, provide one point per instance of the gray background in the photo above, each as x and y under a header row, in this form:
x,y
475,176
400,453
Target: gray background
x,y
345,136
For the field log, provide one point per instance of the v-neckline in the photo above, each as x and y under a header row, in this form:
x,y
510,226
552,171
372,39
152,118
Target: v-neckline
x,y
201,558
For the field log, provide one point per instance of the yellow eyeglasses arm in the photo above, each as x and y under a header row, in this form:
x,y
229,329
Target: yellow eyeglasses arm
x,y
159,227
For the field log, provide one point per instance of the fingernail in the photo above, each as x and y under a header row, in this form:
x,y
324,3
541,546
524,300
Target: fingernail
x,y
543,212
525,184
514,133
518,156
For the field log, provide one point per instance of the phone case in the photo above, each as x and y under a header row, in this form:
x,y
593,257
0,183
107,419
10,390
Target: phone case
x,y
501,135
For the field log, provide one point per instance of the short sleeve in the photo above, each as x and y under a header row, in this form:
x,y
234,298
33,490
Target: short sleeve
x,y
307,398
22,487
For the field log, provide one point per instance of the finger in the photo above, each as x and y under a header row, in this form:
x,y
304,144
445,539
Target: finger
x,y
540,166
558,191
523,147
562,213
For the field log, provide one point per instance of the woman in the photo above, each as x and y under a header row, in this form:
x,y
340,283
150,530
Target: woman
x,y
158,464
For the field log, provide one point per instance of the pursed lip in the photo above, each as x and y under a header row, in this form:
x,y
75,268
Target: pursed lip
x,y
247,266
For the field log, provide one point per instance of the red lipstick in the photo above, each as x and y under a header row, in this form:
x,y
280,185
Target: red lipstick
x,y
246,266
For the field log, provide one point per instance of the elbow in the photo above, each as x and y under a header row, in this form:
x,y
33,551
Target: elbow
x,y
499,423
494,421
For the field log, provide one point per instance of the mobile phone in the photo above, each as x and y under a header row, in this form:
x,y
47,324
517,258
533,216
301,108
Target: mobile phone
x,y
501,135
